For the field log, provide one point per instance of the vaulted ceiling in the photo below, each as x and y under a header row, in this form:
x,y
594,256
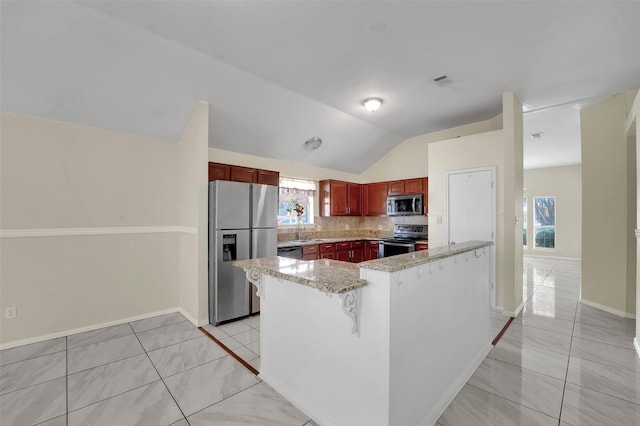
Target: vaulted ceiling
x,y
277,73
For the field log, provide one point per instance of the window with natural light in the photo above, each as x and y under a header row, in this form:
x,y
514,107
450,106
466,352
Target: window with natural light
x,y
544,219
296,201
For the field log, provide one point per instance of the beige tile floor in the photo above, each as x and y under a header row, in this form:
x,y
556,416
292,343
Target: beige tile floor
x,y
559,362
157,371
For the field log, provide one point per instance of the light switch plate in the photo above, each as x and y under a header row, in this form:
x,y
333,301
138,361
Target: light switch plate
x,y
10,313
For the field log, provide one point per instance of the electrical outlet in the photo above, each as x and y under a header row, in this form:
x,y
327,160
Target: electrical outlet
x,y
10,313
439,220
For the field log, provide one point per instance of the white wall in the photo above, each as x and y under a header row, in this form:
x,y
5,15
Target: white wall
x,y
564,183
91,229
503,149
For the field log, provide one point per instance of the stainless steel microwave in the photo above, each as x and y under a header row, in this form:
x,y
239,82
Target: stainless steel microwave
x,y
405,205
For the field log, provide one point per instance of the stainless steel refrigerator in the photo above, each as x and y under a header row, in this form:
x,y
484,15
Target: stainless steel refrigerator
x,y
243,221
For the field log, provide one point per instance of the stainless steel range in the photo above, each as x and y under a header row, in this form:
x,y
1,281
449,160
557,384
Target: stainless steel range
x,y
404,239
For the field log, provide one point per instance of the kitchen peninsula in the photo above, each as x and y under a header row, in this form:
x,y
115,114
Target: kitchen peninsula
x,y
384,342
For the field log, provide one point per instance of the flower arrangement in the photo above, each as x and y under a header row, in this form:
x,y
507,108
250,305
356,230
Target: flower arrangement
x,y
297,208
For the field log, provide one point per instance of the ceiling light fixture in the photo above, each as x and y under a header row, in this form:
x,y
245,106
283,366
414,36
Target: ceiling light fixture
x,y
372,104
536,136
312,144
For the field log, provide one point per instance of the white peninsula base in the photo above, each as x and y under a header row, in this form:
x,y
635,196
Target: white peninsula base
x,y
395,351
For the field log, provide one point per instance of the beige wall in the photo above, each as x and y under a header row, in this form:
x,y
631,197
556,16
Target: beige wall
x,y
502,149
136,255
194,207
605,179
564,183
409,159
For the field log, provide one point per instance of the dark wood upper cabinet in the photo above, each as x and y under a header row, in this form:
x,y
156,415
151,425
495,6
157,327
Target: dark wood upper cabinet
x,y
374,199
396,187
219,171
413,186
338,198
244,174
267,177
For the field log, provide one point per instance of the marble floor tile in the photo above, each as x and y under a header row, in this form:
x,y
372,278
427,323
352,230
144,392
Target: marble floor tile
x,y
538,337
539,307
552,324
234,328
215,331
34,350
247,337
245,353
99,383
168,335
614,356
474,406
524,387
253,321
100,335
582,406
231,343
624,384
259,405
551,292
149,405
34,404
176,358
255,363
616,337
588,315
93,355
58,421
532,358
158,321
254,347
207,384
33,371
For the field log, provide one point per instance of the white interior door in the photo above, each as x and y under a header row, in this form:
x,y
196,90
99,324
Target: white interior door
x,y
471,206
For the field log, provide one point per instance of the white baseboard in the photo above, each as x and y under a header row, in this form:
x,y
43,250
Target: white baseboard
x,y
608,309
637,346
192,320
89,328
450,394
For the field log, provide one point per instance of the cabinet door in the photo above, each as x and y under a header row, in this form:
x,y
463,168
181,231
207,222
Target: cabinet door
x,y
413,186
338,192
396,187
357,255
219,171
354,207
267,177
244,174
343,255
371,250
375,199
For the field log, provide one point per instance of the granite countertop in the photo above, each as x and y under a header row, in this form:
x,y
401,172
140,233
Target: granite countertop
x,y
332,276
409,260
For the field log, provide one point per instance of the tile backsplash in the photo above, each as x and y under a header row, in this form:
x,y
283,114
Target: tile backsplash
x,y
345,226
